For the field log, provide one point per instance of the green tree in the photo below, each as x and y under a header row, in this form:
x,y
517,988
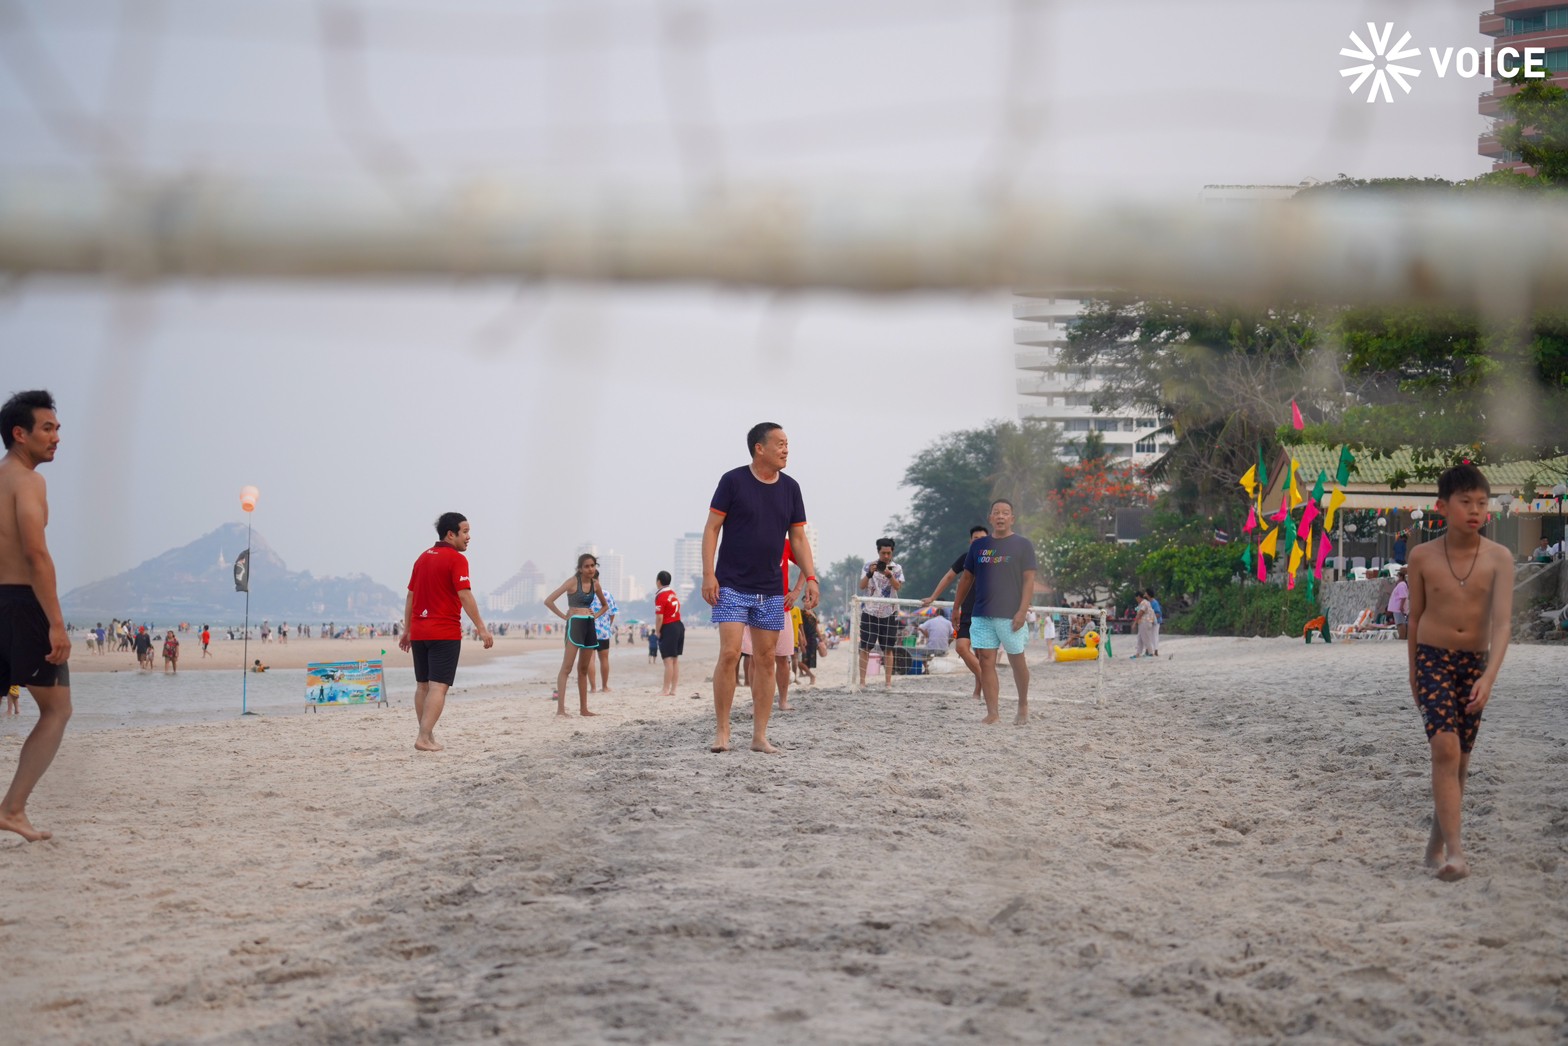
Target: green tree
x,y
1537,129
954,480
1222,376
1083,566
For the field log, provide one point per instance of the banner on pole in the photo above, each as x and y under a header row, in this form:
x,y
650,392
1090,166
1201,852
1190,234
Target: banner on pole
x,y
242,572
345,683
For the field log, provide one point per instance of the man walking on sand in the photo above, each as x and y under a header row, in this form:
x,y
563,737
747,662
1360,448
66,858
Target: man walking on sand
x,y
1461,610
754,507
34,647
438,592
1001,570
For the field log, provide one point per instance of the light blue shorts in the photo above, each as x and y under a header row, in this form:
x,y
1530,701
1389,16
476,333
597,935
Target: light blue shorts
x,y
988,633
756,611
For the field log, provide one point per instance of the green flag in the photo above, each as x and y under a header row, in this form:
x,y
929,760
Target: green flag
x,y
1263,469
1246,558
1347,461
1317,488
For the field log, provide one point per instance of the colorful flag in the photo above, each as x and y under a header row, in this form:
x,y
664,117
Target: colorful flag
x,y
1295,488
1317,488
1295,417
1347,461
1317,563
1308,514
1252,521
1335,500
1249,480
1270,542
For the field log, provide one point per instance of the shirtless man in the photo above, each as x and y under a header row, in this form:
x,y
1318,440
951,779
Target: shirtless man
x,y
34,646
1461,607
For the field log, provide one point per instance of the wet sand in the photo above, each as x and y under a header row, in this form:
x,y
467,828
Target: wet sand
x,y
1228,849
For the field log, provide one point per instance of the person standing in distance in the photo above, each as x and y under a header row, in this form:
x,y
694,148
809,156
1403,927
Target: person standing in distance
x,y
1001,570
438,592
882,579
754,507
963,612
669,633
34,647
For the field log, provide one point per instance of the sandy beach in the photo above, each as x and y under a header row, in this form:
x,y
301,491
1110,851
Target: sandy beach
x,y
1227,849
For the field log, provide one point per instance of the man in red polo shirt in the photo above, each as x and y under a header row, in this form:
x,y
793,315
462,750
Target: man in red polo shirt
x,y
438,592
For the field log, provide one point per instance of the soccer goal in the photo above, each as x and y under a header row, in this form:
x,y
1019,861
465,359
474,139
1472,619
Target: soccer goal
x,y
916,657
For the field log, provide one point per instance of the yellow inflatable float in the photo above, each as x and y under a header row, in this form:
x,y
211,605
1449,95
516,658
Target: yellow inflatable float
x,y
1090,651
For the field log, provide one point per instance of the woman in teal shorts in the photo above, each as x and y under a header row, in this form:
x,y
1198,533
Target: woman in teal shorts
x,y
581,639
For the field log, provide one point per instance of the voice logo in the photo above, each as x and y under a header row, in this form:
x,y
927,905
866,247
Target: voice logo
x,y
1379,62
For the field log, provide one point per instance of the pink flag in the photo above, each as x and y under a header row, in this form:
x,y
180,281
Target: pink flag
x,y
1252,520
1308,514
1295,417
1317,565
1263,570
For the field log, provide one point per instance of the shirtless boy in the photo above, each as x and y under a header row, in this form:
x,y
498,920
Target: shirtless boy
x,y
34,647
1461,606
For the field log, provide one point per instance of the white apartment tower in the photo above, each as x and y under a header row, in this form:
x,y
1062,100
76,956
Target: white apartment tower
x,y
1051,390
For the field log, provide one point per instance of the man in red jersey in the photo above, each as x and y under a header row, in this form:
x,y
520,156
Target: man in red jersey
x,y
438,592
671,631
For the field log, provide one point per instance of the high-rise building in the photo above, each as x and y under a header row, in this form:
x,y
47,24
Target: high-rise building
x,y
1050,389
523,589
686,572
1520,24
612,572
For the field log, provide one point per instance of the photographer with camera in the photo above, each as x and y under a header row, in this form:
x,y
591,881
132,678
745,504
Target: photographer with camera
x,y
882,579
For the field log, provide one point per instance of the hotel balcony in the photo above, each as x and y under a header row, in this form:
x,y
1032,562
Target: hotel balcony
x,y
1039,335
1035,359
1058,311
1488,145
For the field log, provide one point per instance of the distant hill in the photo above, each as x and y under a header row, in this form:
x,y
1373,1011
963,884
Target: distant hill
x,y
195,583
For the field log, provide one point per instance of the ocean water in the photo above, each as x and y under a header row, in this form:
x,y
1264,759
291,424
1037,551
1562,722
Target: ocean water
x,y
111,700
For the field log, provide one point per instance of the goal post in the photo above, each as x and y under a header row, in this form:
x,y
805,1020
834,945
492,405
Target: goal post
x,y
1100,614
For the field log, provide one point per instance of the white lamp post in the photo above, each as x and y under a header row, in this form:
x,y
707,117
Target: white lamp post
x,y
1558,492
1416,516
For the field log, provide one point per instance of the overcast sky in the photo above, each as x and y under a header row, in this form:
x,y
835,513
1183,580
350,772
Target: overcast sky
x,y
559,414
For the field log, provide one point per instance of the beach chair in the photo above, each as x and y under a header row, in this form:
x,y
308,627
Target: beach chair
x,y
1346,631
1365,627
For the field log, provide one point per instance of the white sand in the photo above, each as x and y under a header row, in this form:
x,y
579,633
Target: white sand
x,y
1228,850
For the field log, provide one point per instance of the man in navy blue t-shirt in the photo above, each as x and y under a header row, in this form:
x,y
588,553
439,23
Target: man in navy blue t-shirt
x,y
1000,569
755,507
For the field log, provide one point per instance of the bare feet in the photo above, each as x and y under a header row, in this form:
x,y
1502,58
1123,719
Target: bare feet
x,y
1022,719
24,828
1434,851
762,746
1454,869
429,745
991,720
786,708
585,712
561,713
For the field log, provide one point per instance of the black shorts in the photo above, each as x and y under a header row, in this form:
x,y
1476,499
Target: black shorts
x,y
878,631
672,639
964,614
24,641
435,660
580,633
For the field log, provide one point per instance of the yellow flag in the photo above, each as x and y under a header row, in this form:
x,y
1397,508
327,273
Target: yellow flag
x,y
1270,543
1295,491
1336,499
1295,559
1249,481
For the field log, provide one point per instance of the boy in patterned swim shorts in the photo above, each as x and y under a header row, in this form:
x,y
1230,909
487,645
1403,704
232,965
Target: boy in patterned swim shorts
x,y
1461,605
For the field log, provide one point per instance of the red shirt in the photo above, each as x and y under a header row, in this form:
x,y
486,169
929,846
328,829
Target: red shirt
x,y
439,575
667,605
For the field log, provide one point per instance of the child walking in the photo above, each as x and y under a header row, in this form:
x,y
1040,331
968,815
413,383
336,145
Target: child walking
x,y
1461,607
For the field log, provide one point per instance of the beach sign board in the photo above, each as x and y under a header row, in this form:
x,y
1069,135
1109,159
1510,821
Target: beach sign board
x,y
334,683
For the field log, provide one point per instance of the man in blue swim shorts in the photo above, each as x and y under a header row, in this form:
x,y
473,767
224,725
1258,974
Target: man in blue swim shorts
x,y
754,508
1000,569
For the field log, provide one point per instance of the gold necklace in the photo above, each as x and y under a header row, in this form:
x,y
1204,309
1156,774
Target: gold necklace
x,y
1450,563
